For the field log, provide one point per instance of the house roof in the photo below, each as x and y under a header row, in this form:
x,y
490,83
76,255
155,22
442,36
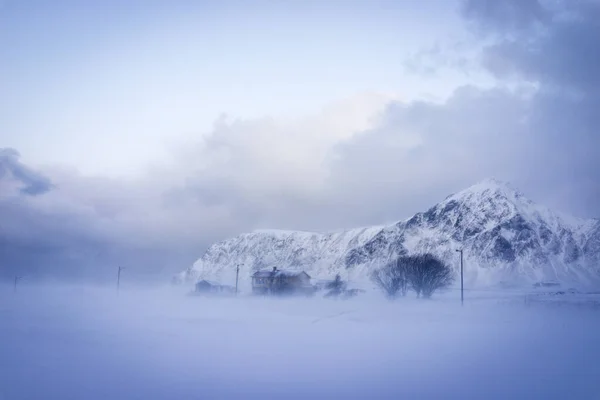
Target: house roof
x,y
211,283
268,273
263,274
322,282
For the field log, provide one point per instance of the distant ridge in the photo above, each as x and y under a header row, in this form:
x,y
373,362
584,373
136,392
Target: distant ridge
x,y
506,238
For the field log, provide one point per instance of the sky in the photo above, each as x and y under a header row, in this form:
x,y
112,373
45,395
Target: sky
x,y
140,132
99,73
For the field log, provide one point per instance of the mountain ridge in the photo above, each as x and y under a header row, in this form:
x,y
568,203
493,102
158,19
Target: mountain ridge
x,y
506,238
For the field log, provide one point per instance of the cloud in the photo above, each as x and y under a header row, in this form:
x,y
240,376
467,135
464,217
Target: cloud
x,y
32,183
560,59
422,151
274,172
450,55
514,15
562,54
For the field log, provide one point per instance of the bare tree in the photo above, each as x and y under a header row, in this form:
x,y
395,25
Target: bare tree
x,y
423,273
392,278
426,274
336,287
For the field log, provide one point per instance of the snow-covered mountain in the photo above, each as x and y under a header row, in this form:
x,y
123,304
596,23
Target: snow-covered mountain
x,y
506,238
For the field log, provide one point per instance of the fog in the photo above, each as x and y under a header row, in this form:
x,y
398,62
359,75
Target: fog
x,y
74,342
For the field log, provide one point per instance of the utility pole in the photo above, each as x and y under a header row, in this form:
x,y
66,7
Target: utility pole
x,y
16,280
237,273
119,277
462,297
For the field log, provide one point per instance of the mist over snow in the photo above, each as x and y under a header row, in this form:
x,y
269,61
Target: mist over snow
x,y
73,342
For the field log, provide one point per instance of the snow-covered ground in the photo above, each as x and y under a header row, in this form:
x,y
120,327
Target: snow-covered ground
x,y
88,343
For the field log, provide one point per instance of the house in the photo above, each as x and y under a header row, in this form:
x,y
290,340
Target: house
x,y
321,284
278,281
209,287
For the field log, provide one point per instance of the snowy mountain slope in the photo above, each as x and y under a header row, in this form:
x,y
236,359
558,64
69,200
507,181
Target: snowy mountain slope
x,y
591,247
505,237
316,253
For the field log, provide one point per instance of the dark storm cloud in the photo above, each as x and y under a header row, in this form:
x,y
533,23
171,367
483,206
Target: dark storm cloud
x,y
86,227
565,54
561,59
32,182
504,15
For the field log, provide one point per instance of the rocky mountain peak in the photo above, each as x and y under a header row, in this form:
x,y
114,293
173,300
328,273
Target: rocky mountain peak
x,y
490,192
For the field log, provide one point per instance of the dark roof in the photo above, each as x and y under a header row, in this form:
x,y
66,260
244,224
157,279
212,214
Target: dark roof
x,y
211,283
263,274
269,273
322,282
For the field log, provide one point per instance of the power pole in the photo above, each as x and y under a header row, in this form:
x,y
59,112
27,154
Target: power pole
x,y
119,277
16,280
237,273
462,297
